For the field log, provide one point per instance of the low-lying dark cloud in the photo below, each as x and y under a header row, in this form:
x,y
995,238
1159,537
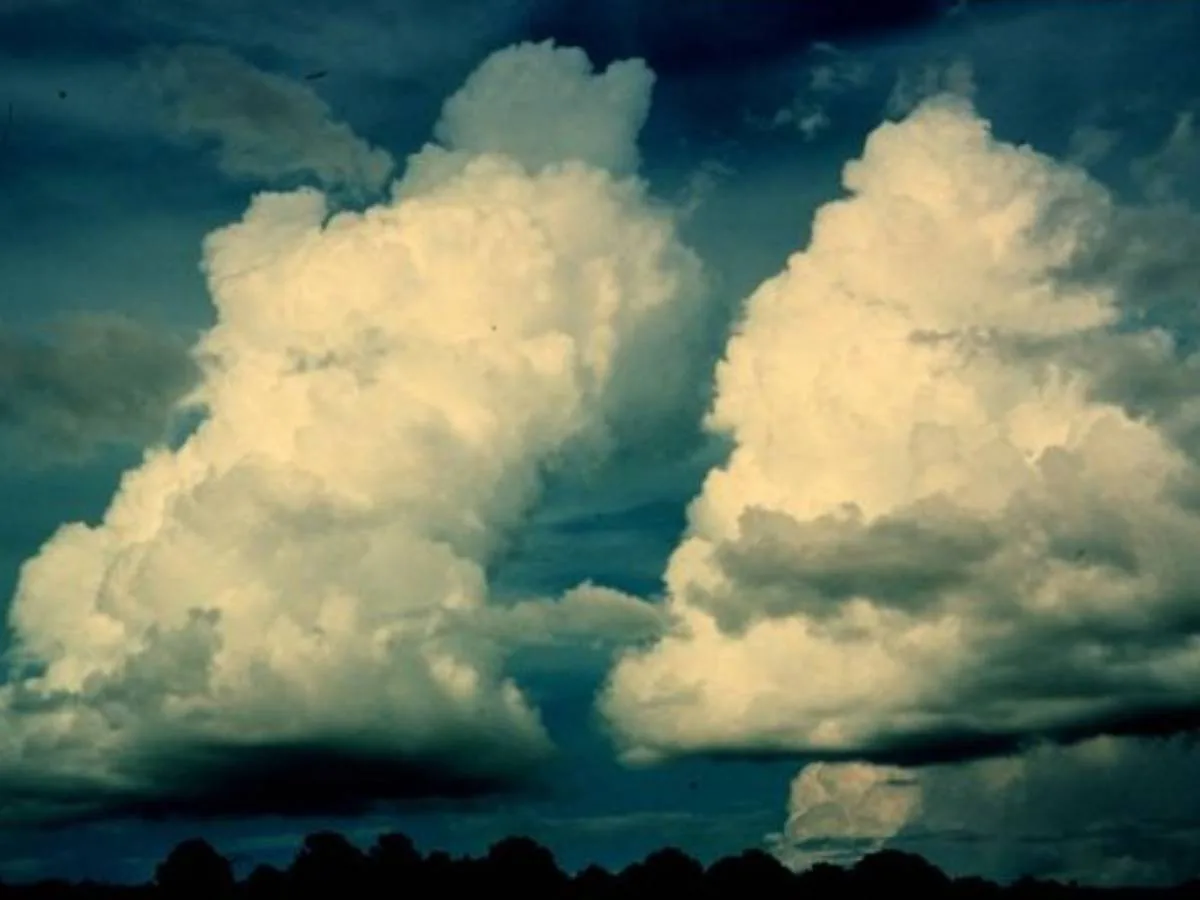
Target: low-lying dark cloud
x,y
308,778
311,778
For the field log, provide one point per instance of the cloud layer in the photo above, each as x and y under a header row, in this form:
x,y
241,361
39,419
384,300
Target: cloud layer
x,y
961,503
277,616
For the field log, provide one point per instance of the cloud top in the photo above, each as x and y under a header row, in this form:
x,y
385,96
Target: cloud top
x,y
538,103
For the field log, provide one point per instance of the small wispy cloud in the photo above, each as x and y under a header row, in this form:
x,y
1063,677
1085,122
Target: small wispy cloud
x,y
918,83
833,73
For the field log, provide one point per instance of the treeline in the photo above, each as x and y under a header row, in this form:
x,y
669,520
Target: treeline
x,y
327,866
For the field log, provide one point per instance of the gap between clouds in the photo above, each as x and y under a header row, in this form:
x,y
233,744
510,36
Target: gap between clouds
x,y
266,126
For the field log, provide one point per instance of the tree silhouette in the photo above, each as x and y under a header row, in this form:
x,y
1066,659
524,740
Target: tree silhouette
x,y
266,883
878,871
195,870
394,852
669,870
441,875
754,873
527,866
595,883
396,868
328,866
825,880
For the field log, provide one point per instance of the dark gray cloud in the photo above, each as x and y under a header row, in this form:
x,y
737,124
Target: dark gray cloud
x,y
87,380
905,560
1109,811
267,126
294,780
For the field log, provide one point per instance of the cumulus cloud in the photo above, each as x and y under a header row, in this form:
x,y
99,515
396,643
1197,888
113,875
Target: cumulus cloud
x,y
270,618
960,507
546,105
1114,811
839,812
89,380
267,126
585,615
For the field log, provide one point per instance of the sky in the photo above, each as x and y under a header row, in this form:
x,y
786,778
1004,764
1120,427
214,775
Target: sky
x,y
725,425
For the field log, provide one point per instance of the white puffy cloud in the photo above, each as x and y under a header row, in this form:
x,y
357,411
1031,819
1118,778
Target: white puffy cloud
x,y
838,812
271,617
961,502
267,126
545,104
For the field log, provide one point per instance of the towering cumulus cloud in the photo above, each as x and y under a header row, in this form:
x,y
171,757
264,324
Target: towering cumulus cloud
x,y
271,618
961,508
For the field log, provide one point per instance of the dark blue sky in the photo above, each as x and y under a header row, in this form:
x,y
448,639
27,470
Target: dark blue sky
x,y
134,131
